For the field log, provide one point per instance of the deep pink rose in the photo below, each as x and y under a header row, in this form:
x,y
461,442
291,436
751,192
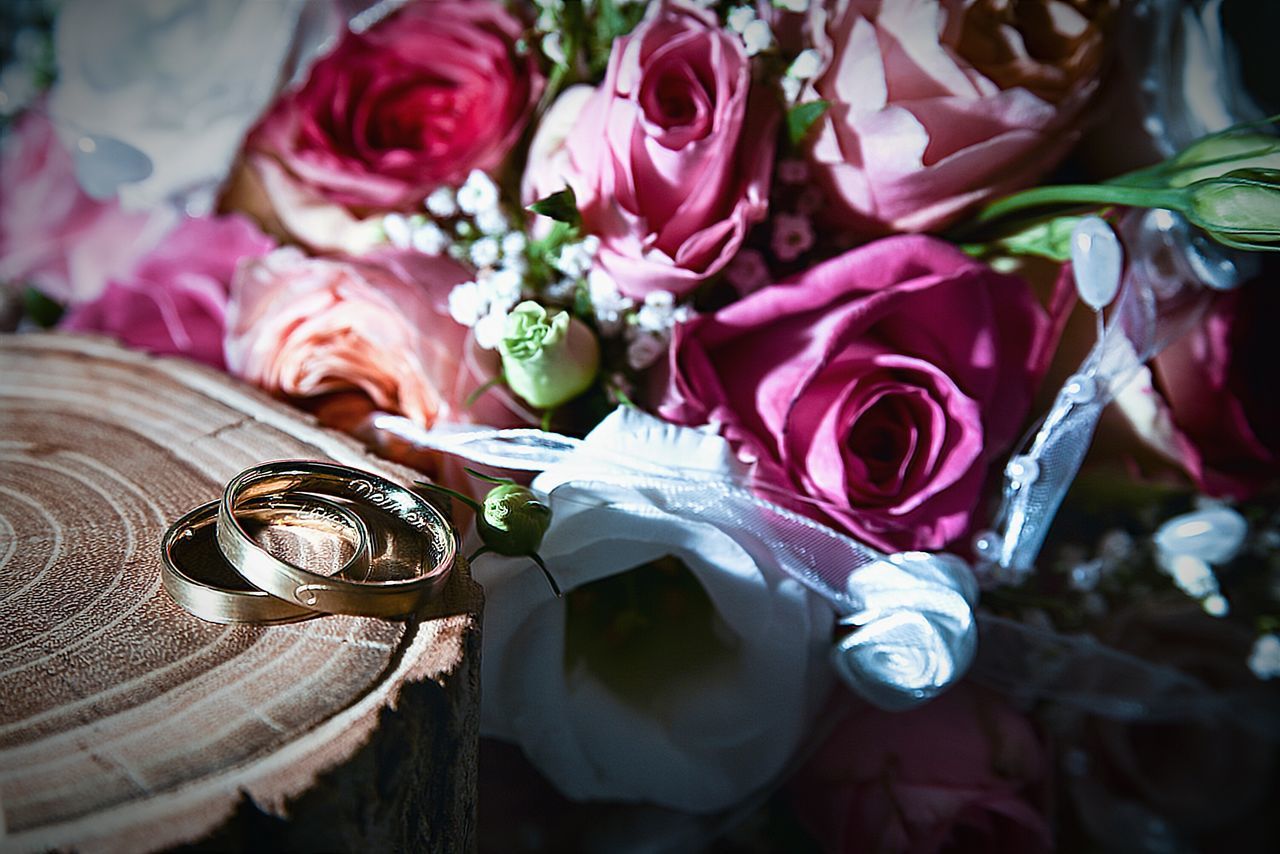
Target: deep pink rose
x,y
415,102
669,158
880,383
174,301
1210,402
53,236
953,775
304,327
935,107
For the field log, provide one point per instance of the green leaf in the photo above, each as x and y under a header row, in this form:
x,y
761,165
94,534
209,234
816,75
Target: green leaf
x,y
44,311
801,118
561,206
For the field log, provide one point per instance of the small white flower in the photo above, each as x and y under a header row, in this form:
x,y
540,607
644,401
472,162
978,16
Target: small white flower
x,y
492,221
806,65
1215,605
553,48
1264,660
657,314
791,88
485,252
561,291
513,244
489,329
479,193
398,230
502,287
607,303
574,259
430,239
757,37
442,202
792,236
740,18
467,303
591,245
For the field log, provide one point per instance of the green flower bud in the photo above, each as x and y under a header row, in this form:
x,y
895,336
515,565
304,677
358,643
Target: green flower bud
x,y
512,520
548,357
1239,209
1215,156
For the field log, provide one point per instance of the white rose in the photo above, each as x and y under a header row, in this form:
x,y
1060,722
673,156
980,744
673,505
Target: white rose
x,y
730,710
180,80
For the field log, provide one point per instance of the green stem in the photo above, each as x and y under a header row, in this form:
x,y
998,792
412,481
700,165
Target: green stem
x,y
452,493
1075,194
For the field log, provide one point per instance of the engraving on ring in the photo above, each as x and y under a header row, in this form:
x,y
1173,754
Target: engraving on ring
x,y
399,503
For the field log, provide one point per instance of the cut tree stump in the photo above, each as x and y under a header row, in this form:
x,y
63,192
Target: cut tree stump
x,y
125,723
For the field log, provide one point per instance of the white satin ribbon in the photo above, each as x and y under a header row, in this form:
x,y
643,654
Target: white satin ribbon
x,y
890,601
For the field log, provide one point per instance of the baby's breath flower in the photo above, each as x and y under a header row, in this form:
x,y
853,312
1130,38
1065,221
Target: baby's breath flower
x,y
1264,660
429,239
398,230
740,18
479,193
485,252
757,37
489,328
806,65
442,203
467,303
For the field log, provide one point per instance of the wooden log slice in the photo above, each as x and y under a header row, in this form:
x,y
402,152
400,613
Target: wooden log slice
x,y
127,724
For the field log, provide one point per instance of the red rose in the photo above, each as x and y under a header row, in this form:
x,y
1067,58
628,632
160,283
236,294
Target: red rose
x,y
416,102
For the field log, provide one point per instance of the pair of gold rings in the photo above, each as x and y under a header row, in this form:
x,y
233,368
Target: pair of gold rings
x,y
215,567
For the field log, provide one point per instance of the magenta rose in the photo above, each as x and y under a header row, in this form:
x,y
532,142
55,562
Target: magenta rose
x,y
53,236
956,774
416,102
1210,403
669,158
174,301
878,384
936,107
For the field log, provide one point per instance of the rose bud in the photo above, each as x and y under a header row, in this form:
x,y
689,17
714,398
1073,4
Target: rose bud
x,y
512,520
1219,154
548,357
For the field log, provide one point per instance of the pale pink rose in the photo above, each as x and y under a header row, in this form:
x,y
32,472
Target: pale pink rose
x,y
174,301
670,157
878,386
955,774
937,106
419,100
1209,401
303,327
53,236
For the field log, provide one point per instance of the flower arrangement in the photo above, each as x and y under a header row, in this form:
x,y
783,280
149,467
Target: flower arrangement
x,y
890,412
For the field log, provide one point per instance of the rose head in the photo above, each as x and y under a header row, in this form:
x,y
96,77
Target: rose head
x,y
548,358
304,326
935,107
956,770
1209,402
53,236
415,102
879,383
669,157
174,301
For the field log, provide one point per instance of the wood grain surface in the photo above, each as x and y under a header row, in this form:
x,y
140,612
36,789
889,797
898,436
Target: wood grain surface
x,y
127,724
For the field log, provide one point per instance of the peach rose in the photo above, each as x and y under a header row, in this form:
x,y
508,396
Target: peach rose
x,y
303,327
935,107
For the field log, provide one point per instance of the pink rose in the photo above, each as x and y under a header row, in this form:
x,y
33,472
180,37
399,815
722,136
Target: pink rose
x,y
53,236
669,158
303,327
879,384
1209,402
417,101
935,107
951,775
174,301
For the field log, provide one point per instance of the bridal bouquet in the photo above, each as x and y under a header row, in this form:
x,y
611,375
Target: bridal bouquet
x,y
862,411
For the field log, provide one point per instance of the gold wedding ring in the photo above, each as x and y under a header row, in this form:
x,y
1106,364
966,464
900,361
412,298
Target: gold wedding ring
x,y
334,594
199,578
